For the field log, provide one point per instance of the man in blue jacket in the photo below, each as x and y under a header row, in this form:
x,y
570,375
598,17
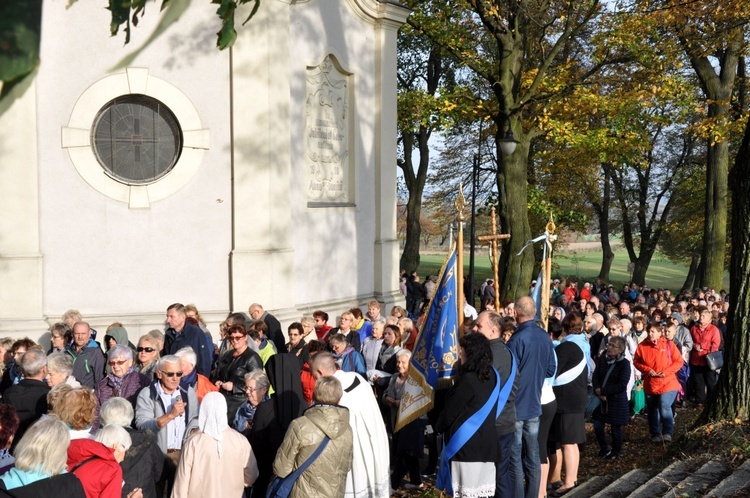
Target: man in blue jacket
x,y
181,334
533,350
88,359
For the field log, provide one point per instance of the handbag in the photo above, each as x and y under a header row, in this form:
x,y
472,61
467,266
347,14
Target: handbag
x,y
593,400
281,487
715,360
638,397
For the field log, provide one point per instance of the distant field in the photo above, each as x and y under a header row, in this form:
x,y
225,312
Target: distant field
x,y
583,265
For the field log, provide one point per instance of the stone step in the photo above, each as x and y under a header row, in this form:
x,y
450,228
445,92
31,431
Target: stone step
x,y
698,483
735,484
625,484
590,487
665,480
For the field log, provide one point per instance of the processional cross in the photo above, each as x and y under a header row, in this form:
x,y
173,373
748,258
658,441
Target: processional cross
x,y
495,254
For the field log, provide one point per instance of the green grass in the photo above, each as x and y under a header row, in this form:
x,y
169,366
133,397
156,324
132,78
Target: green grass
x,y
582,265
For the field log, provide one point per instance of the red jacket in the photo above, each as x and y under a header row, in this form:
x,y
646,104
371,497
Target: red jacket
x,y
308,383
661,357
102,475
709,339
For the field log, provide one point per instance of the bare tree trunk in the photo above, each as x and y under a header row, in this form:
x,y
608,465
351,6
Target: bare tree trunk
x,y
692,272
602,212
732,396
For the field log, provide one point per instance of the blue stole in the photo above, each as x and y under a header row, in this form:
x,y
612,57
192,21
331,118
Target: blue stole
x,y
498,398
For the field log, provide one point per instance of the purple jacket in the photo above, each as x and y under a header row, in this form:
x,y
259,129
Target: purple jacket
x,y
132,384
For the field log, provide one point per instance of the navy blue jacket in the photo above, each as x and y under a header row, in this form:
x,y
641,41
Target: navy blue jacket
x,y
192,336
535,355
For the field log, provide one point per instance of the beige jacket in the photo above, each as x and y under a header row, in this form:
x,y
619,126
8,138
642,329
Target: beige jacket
x,y
201,473
326,476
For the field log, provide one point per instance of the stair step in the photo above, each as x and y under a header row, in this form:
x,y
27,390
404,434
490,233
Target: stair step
x,y
625,484
665,480
590,487
700,481
735,484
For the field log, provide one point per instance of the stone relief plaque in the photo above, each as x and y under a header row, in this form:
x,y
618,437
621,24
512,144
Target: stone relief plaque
x,y
327,137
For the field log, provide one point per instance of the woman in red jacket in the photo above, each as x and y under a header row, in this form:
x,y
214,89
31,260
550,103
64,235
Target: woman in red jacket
x,y
659,361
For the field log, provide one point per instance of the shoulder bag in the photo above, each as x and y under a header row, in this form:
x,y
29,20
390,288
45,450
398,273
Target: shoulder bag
x,y
281,487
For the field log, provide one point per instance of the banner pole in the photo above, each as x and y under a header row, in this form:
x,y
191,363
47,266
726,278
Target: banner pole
x,y
460,206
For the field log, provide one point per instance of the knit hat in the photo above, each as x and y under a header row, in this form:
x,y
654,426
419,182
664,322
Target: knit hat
x,y
677,317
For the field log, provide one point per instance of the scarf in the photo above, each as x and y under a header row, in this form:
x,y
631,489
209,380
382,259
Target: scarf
x,y
212,417
619,357
189,379
117,381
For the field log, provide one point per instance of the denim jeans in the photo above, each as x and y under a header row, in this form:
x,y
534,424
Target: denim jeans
x,y
524,458
601,438
659,407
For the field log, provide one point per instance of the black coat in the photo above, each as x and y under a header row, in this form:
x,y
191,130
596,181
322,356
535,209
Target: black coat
x,y
143,464
29,398
616,411
59,486
274,331
571,397
265,439
233,369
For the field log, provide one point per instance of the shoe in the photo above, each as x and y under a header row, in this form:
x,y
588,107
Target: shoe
x,y
562,492
611,455
553,486
656,439
411,486
667,438
603,452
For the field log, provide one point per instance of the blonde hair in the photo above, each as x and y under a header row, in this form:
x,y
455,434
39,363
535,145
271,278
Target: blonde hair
x,y
44,447
191,307
328,391
56,393
77,408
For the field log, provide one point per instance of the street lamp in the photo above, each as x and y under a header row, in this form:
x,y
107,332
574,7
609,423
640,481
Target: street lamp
x,y
508,143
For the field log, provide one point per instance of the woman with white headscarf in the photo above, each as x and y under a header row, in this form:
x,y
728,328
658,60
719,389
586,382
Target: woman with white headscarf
x,y
216,460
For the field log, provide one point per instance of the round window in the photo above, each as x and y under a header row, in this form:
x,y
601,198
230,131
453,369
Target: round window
x,y
137,139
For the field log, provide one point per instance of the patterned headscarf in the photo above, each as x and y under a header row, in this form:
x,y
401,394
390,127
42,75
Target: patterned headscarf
x,y
212,418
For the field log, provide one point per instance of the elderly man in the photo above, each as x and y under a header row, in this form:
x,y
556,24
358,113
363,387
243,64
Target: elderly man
x,y
29,396
88,359
489,324
191,377
170,411
598,332
182,334
370,472
533,350
274,327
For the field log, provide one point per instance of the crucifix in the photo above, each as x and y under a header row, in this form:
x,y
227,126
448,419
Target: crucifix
x,y
495,255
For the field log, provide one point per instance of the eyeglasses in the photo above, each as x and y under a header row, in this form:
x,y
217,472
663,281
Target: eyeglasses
x,y
172,374
148,350
236,337
249,390
118,363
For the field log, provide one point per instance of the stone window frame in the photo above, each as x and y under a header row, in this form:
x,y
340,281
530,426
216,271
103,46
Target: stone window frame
x,y
76,137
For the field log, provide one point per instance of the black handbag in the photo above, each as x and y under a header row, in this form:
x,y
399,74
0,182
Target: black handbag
x,y
715,360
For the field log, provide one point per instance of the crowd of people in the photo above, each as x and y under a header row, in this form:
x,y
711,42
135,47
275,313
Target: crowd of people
x,y
180,415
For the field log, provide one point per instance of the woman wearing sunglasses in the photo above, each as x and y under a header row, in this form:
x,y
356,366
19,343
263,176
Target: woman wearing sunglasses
x,y
148,356
123,381
232,367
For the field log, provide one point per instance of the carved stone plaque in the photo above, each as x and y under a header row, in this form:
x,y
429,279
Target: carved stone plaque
x,y
327,135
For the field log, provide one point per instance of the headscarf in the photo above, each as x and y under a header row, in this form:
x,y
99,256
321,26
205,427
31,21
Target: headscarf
x,y
283,372
212,417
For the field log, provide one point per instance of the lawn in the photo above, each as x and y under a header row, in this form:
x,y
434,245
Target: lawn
x,y
582,265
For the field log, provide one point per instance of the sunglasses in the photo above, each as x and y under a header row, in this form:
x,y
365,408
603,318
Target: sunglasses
x,y
172,374
118,363
236,337
148,350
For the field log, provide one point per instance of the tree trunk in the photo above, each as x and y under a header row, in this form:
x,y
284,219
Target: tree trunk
x,y
415,185
715,228
732,396
515,270
692,272
602,212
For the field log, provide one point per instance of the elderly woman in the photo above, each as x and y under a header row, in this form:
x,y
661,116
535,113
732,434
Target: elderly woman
x,y
408,332
59,370
124,381
215,448
325,477
232,368
308,327
296,344
610,381
144,462
41,463
190,376
347,358
148,356
571,391
345,328
77,409
256,388
57,333
96,463
372,345
408,443
659,360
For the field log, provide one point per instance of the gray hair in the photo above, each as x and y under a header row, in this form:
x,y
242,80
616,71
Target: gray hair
x,y
32,362
114,436
307,321
117,411
170,358
60,363
121,351
403,352
188,354
260,378
44,447
158,337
